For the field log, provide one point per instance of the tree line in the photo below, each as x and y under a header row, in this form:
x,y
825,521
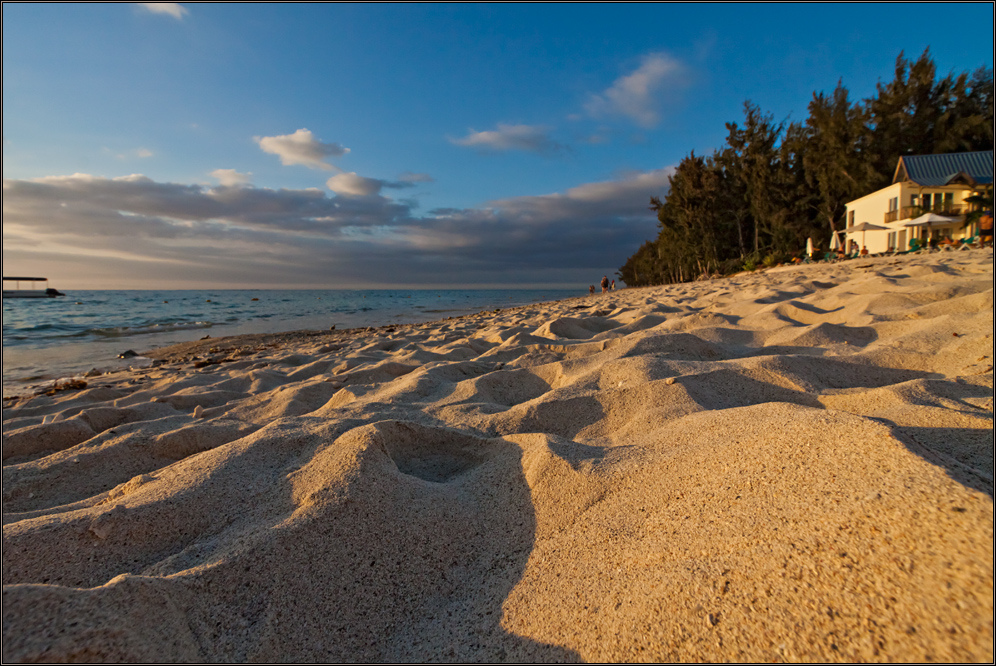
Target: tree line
x,y
773,185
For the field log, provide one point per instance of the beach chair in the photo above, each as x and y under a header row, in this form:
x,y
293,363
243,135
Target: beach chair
x,y
969,243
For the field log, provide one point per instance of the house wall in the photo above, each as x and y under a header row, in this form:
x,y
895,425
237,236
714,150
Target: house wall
x,y
873,208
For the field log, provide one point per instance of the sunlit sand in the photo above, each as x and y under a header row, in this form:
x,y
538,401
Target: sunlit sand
x,y
791,465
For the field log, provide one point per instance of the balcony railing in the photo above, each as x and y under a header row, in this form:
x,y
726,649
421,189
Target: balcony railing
x,y
907,212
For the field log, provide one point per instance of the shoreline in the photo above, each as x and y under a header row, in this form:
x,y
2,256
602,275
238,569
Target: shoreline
x,y
243,342
39,366
787,465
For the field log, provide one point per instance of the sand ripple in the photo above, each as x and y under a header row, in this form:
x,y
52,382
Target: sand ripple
x,y
794,465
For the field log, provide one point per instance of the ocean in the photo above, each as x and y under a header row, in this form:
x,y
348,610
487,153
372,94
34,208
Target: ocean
x,y
49,339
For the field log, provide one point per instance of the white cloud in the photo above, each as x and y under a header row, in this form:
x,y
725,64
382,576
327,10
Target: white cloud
x,y
303,148
144,153
531,138
354,185
638,95
231,177
351,184
174,9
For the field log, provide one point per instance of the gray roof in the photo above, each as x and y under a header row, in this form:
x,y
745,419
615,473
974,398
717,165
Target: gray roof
x,y
935,170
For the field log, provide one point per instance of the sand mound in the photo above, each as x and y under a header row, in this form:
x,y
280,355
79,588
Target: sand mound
x,y
573,328
793,465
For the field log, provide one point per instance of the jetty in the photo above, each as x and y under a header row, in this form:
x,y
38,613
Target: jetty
x,y
17,292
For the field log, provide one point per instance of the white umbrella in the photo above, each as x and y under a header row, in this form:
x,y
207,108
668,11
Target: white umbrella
x,y
834,241
928,219
863,227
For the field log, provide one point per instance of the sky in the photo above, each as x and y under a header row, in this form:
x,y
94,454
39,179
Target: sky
x,y
283,145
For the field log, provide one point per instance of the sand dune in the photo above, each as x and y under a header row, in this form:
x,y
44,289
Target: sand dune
x,y
793,465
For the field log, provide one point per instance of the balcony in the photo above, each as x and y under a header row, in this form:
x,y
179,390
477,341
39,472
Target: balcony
x,y
907,212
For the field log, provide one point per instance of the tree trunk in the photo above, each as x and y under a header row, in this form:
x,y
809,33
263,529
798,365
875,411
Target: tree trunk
x,y
740,237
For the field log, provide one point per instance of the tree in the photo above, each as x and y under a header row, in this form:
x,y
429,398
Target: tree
x,y
835,154
981,202
640,269
753,160
902,116
966,122
691,219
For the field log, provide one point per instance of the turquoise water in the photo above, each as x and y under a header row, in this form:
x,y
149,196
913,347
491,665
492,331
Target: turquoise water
x,y
53,338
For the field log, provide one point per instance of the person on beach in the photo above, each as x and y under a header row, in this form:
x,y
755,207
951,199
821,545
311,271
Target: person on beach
x,y
591,290
605,284
986,229
864,251
612,287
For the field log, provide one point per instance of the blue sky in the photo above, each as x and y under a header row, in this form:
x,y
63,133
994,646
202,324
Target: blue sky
x,y
334,145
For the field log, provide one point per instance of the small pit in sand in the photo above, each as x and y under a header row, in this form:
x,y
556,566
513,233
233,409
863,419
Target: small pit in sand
x,y
436,455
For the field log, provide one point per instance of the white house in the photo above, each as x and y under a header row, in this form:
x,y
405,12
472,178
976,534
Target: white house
x,y
921,184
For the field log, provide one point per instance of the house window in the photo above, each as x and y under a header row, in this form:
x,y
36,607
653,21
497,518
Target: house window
x,y
948,200
913,200
926,201
850,218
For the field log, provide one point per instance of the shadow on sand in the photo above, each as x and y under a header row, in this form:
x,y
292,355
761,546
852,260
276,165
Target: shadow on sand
x,y
966,454
394,542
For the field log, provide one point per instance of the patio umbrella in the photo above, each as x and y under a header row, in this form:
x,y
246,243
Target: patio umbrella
x,y
928,219
863,227
834,242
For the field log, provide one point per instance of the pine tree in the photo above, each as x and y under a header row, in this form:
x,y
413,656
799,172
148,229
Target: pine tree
x,y
835,154
966,121
753,160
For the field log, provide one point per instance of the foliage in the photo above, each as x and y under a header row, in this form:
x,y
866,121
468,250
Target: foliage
x,y
981,202
756,200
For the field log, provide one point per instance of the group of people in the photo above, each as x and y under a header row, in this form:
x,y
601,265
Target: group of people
x,y
606,285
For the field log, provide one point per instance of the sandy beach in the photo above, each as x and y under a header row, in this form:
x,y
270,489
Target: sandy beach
x,y
788,465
